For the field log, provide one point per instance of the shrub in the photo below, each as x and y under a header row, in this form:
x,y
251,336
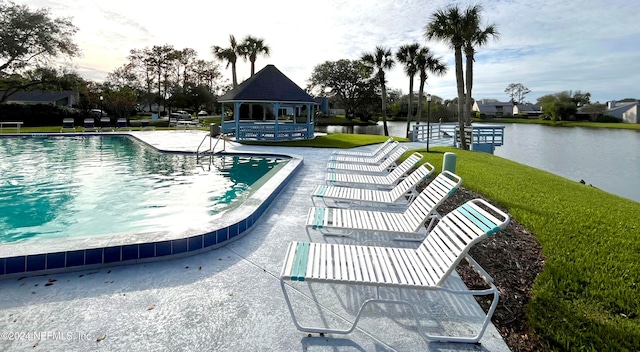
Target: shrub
x,y
40,114
607,118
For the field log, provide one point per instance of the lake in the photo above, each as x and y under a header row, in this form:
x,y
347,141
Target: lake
x,y
605,158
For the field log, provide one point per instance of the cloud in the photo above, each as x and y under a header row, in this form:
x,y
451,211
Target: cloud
x,y
547,45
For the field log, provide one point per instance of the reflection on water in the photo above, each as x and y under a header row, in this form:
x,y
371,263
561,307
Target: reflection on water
x,y
606,158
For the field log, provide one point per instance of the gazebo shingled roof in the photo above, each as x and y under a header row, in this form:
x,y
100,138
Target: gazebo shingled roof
x,y
268,85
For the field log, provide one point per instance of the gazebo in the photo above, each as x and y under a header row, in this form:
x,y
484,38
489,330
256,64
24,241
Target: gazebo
x,y
267,107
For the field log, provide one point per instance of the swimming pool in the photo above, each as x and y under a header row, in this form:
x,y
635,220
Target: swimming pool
x,y
96,185
114,199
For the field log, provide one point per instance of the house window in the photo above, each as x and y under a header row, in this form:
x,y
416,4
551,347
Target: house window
x,y
499,111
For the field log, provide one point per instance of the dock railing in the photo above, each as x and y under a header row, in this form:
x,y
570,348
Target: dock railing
x,y
479,137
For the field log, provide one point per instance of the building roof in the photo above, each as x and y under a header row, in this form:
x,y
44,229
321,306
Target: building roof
x,y
269,85
529,107
491,108
41,96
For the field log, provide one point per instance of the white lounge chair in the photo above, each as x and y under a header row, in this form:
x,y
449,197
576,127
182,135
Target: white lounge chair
x,y
374,181
375,159
89,125
105,124
351,222
385,166
363,154
427,267
346,197
121,124
68,124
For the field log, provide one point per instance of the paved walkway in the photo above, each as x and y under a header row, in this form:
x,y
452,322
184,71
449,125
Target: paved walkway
x,y
228,299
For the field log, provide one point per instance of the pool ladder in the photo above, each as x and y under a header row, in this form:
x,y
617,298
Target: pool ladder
x,y
212,148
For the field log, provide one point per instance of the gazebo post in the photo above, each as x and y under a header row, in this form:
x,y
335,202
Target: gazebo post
x,y
236,116
264,112
276,110
222,118
308,121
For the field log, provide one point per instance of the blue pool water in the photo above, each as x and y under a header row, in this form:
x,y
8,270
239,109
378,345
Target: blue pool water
x,y
98,185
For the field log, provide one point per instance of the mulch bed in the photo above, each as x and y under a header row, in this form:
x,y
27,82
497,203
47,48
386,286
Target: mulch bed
x,y
513,257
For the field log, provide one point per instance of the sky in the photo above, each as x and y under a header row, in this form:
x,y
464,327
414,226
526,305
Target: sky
x,y
549,46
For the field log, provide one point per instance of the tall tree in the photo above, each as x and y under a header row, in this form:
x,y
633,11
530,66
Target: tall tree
x,y
407,55
474,36
31,40
160,58
559,106
230,55
380,60
251,47
517,92
343,79
425,63
580,98
447,25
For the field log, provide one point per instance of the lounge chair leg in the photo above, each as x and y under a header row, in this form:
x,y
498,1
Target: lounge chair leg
x,y
493,290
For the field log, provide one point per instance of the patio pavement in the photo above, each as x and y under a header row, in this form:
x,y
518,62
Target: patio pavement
x,y
228,299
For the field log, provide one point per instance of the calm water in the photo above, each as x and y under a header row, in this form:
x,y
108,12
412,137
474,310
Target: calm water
x,y
606,158
77,186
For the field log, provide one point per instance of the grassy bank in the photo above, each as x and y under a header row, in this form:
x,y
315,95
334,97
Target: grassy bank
x,y
587,297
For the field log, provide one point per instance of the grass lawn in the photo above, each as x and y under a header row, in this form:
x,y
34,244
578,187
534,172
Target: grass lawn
x,y
588,295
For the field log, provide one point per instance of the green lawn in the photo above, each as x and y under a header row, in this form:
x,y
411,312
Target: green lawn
x,y
588,295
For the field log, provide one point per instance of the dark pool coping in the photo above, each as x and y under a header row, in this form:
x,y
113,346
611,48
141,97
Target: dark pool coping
x,y
51,256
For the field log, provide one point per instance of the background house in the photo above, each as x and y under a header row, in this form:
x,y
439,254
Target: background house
x,y
491,107
626,112
531,110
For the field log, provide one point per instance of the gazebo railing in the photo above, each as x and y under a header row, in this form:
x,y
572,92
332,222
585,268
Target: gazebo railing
x,y
268,130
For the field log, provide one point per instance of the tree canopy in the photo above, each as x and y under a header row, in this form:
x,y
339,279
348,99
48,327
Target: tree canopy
x,y
517,92
345,80
559,106
30,42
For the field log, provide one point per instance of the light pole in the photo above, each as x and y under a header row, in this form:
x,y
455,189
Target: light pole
x,y
428,117
101,99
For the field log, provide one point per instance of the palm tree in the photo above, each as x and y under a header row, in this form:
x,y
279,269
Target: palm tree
x,y
407,55
379,61
425,63
251,47
230,55
474,36
448,26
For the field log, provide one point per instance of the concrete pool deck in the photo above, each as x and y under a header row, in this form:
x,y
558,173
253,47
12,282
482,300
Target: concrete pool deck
x,y
228,299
